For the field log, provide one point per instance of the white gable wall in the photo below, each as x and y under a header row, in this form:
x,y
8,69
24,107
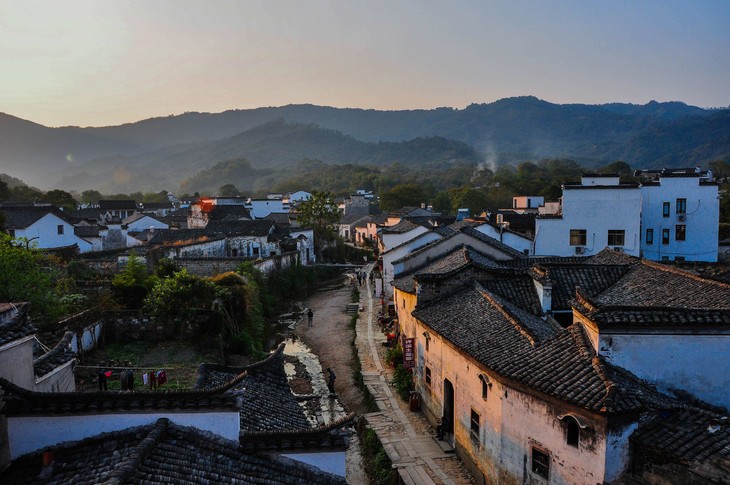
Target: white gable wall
x,y
44,233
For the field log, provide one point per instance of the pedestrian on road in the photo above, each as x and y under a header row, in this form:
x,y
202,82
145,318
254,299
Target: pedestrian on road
x,y
310,315
331,380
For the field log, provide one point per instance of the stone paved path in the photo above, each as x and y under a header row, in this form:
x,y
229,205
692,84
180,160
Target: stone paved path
x,y
406,436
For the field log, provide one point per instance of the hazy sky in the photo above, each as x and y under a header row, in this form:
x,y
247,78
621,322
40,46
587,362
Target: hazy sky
x,y
108,62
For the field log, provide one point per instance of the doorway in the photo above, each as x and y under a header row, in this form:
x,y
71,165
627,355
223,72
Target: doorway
x,y
448,417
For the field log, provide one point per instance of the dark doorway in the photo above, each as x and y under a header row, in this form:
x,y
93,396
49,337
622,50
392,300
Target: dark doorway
x,y
448,419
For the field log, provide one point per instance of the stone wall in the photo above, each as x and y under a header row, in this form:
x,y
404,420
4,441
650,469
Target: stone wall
x,y
131,326
213,266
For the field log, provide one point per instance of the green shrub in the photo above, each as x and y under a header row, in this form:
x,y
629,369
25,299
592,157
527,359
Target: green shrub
x,y
394,355
403,382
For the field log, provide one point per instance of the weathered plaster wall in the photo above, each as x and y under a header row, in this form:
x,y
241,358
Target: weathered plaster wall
x,y
515,241
695,363
511,422
16,362
28,434
391,241
61,379
617,450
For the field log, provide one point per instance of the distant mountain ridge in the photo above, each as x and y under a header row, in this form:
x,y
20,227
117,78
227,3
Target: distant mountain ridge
x,y
508,130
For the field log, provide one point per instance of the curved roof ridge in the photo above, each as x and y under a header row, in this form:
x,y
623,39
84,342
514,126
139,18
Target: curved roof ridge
x,y
241,372
332,425
582,297
123,471
611,387
581,339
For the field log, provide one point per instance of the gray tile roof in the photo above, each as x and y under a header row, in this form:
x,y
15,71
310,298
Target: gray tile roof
x,y
161,453
268,401
521,347
518,290
23,217
18,326
260,227
689,434
54,358
565,278
400,228
653,284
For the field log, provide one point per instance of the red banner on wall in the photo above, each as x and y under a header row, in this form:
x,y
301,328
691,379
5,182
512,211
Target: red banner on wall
x,y
409,354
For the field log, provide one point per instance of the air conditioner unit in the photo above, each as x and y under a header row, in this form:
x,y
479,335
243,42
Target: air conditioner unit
x,y
682,217
579,249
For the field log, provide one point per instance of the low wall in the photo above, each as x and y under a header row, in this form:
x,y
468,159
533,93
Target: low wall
x,y
134,326
214,266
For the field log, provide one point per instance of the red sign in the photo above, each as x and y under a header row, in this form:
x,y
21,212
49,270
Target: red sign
x,y
409,354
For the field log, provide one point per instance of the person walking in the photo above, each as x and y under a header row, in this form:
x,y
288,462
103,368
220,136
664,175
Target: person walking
x,y
331,380
310,316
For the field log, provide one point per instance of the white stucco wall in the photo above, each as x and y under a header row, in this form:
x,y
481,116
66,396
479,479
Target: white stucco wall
x,y
515,241
701,219
45,230
28,434
390,241
260,208
696,363
60,379
401,251
89,338
597,211
333,462
617,451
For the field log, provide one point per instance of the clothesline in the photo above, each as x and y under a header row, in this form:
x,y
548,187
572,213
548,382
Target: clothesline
x,y
150,367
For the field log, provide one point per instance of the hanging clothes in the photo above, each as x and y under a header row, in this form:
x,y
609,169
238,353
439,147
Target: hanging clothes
x,y
153,380
102,381
145,378
124,381
130,380
161,377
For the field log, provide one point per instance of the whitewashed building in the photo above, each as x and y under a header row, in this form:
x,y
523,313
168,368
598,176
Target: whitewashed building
x,y
680,215
43,227
600,212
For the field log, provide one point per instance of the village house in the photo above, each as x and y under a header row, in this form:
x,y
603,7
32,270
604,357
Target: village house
x,y
159,209
680,215
528,398
214,209
599,212
118,209
523,204
44,227
260,208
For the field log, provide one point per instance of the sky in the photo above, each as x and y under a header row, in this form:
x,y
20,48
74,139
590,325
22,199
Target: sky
x,y
97,63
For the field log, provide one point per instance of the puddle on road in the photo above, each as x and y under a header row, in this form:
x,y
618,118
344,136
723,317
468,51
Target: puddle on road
x,y
323,409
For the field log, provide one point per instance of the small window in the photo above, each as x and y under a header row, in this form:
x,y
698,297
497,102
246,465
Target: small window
x,y
474,431
12,233
616,237
485,388
428,342
665,236
578,237
680,232
540,463
234,253
59,228
428,377
650,236
681,206
404,303
665,209
255,251
573,433
680,258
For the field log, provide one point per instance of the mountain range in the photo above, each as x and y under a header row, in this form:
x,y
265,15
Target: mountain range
x,y
164,152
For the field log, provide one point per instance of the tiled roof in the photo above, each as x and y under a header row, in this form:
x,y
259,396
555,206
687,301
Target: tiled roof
x,y
565,279
268,402
519,223
609,256
87,231
18,326
653,284
23,217
593,187
521,347
161,453
689,434
518,290
526,263
108,205
219,212
167,236
54,358
400,228
259,227
654,316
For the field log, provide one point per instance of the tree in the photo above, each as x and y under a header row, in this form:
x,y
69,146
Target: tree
x,y
4,190
473,199
131,285
23,193
25,275
321,214
60,198
91,196
442,203
228,190
402,195
174,299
